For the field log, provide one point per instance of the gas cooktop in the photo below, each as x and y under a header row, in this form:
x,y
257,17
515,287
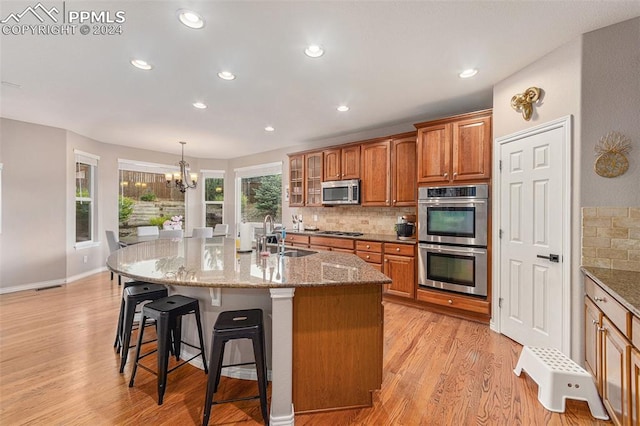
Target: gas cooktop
x,y
340,233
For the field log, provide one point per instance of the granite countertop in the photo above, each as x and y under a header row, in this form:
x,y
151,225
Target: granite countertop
x,y
214,262
624,286
383,238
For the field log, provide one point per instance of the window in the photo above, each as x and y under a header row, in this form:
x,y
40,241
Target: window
x,y
85,176
213,197
144,197
259,193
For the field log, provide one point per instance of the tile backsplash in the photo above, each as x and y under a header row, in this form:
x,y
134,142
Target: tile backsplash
x,y
611,237
369,220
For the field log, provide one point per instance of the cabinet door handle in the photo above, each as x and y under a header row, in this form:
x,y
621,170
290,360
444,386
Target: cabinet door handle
x,y
394,201
602,329
450,301
599,299
397,248
368,257
386,260
445,175
455,174
594,322
368,246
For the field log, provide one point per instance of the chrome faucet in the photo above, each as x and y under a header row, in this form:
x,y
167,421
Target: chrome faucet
x,y
264,224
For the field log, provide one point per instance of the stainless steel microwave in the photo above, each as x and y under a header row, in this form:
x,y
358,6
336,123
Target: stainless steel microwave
x,y
341,192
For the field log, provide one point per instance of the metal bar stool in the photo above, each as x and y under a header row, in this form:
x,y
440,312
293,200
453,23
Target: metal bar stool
x,y
230,325
168,312
133,295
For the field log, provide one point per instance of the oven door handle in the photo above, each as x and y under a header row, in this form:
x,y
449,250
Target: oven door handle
x,y
437,202
451,250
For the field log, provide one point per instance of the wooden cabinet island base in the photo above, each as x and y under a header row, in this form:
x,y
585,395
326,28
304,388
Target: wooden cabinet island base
x,y
337,347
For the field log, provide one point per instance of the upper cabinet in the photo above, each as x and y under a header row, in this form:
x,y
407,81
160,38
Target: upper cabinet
x,y
342,163
389,172
403,171
313,179
376,164
455,149
296,180
305,178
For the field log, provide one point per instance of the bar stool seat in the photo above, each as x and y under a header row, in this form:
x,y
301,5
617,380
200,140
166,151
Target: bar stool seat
x,y
134,294
230,325
168,313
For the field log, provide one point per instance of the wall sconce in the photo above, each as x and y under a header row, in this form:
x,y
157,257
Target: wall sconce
x,y
523,102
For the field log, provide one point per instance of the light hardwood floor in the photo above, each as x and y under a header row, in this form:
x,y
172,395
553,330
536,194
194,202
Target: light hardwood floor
x,y
57,366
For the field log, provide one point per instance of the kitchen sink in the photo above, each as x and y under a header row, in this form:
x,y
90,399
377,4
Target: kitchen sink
x,y
298,253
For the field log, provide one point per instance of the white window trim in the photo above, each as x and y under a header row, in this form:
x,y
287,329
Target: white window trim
x,y
142,166
249,172
204,174
91,160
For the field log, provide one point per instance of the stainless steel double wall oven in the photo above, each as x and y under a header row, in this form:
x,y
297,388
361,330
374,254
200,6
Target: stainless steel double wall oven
x,y
453,234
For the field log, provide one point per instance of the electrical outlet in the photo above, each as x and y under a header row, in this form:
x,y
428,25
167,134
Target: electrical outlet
x,y
85,259
315,217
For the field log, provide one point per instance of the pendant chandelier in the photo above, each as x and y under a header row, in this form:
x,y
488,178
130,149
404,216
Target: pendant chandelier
x,y
181,179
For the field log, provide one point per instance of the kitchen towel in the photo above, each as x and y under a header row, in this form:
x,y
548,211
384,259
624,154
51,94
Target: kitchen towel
x,y
246,237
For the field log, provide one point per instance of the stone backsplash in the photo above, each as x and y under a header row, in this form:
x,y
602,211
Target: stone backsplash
x,y
369,220
611,237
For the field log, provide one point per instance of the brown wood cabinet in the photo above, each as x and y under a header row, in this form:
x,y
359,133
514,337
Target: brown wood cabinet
x,y
593,350
296,180
400,266
455,148
342,163
296,240
376,179
389,172
404,188
370,252
313,179
635,386
611,357
331,244
615,372
337,346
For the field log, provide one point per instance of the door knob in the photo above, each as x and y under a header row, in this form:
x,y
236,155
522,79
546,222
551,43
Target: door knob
x,y
552,257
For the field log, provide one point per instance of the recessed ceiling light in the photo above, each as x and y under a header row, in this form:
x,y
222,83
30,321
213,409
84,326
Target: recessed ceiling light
x,y
314,51
269,128
343,108
200,105
226,75
190,18
468,73
139,63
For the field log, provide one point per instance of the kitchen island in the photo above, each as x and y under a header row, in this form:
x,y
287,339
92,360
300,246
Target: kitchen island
x,y
326,342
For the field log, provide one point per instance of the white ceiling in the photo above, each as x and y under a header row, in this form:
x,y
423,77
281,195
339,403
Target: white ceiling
x,y
391,61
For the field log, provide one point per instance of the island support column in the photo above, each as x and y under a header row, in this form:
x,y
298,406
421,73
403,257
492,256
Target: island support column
x,y
282,357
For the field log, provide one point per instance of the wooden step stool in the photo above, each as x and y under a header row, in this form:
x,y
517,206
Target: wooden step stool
x,y
558,378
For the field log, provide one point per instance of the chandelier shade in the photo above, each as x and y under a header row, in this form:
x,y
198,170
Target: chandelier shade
x,y
182,180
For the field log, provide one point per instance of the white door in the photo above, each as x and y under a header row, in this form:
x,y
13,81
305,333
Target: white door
x,y
534,248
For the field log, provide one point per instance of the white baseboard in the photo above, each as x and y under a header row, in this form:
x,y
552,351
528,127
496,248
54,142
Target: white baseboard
x,y
33,286
51,283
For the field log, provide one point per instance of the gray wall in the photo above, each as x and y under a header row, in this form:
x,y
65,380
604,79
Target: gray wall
x,y
595,79
34,210
611,102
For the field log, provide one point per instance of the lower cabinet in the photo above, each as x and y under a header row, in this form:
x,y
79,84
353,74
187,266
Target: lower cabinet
x,y
610,355
615,372
370,252
635,386
400,266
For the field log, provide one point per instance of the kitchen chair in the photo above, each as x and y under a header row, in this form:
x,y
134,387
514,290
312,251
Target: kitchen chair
x,y
144,231
231,325
168,313
114,245
221,228
171,233
206,232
